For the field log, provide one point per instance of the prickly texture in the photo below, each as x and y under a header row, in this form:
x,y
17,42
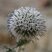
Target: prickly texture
x,y
26,23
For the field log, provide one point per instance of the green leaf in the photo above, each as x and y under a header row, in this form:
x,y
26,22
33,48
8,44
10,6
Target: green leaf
x,y
10,50
22,42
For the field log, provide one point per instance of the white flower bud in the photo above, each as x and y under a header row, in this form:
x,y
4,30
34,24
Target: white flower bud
x,y
26,22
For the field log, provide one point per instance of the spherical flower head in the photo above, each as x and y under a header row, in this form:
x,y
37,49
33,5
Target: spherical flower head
x,y
26,22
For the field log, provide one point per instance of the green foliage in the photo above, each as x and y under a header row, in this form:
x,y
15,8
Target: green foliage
x,y
10,50
22,42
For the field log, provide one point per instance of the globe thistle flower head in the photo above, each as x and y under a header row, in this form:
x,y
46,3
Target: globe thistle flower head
x,y
26,22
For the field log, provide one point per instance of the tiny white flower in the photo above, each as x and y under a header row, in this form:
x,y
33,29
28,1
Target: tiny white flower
x,y
26,22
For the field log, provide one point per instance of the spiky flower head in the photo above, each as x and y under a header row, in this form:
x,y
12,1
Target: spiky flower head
x,y
26,22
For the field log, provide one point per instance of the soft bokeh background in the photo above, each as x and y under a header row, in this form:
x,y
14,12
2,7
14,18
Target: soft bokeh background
x,y
44,44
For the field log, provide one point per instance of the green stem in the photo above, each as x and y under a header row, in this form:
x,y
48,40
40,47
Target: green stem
x,y
21,49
